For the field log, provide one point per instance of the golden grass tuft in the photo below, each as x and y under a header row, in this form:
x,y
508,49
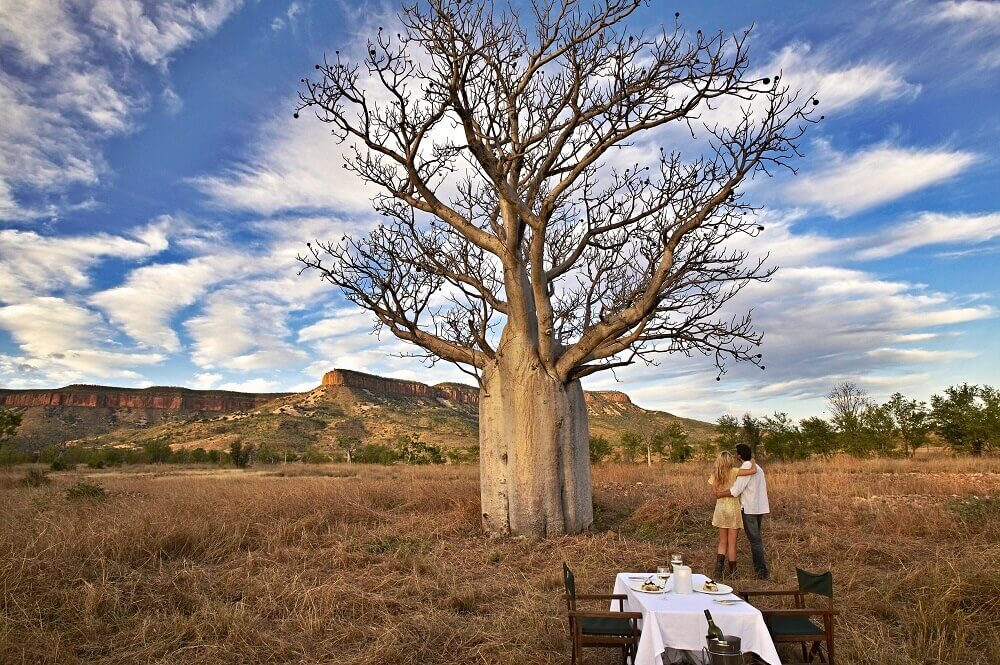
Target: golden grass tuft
x,y
378,565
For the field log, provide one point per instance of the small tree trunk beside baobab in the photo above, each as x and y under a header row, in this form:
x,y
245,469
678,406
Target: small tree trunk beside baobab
x,y
532,235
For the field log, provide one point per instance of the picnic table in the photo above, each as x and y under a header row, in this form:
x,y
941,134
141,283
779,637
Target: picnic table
x,y
674,624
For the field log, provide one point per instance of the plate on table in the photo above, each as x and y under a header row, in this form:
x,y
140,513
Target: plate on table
x,y
724,589
636,585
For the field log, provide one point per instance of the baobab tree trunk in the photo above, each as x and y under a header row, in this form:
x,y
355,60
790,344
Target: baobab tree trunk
x,y
534,449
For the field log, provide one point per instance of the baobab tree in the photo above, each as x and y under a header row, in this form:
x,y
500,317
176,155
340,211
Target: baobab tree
x,y
532,235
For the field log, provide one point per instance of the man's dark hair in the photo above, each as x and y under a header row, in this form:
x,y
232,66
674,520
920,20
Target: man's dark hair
x,y
743,450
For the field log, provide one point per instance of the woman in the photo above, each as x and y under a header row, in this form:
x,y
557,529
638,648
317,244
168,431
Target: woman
x,y
727,517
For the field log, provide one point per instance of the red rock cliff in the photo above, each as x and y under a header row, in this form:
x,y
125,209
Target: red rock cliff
x,y
456,392
615,396
174,399
378,384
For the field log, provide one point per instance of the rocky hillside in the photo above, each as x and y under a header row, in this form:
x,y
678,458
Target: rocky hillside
x,y
346,404
82,411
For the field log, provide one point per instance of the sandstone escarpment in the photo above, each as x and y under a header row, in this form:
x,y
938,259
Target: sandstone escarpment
x,y
173,399
455,392
615,396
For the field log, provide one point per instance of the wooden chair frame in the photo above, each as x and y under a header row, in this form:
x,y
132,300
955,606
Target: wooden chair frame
x,y
628,643
801,610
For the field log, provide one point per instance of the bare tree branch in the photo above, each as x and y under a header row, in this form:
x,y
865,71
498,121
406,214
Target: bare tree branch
x,y
496,144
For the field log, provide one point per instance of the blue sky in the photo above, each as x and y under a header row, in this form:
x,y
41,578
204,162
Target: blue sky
x,y
154,191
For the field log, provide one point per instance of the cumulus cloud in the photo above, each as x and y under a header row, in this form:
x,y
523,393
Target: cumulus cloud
x,y
69,342
296,166
850,183
931,228
162,289
32,264
839,87
153,31
340,323
251,386
205,380
56,117
973,23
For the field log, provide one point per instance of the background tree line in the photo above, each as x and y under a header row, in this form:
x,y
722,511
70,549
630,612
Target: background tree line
x,y
964,418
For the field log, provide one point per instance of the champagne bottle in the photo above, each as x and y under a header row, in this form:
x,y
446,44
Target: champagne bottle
x,y
714,632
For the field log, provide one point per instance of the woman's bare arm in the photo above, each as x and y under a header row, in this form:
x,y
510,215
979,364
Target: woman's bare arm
x,y
749,472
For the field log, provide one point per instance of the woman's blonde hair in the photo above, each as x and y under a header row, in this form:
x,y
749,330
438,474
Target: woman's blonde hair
x,y
723,467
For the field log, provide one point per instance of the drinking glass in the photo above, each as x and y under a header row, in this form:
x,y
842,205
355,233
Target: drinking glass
x,y
676,559
663,572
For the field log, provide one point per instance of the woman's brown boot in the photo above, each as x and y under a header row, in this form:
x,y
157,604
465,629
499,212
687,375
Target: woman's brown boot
x,y
720,562
732,570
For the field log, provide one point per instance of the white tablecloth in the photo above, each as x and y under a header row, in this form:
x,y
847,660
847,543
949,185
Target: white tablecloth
x,y
677,621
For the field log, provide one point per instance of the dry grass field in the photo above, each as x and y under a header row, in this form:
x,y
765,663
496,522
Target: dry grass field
x,y
385,565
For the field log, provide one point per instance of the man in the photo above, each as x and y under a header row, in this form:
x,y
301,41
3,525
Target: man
x,y
752,492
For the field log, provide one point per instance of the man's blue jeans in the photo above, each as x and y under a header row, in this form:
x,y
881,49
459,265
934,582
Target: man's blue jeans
x,y
752,524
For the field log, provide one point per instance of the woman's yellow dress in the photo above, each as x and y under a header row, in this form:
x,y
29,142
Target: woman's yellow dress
x,y
727,509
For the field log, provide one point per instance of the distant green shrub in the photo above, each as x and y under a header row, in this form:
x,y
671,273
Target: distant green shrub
x,y
314,455
156,452
35,478
374,453
600,448
60,464
86,491
412,450
241,454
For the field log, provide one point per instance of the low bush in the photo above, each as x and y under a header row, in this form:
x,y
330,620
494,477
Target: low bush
x,y
86,491
35,478
60,464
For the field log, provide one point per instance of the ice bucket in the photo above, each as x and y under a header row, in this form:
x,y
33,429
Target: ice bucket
x,y
725,651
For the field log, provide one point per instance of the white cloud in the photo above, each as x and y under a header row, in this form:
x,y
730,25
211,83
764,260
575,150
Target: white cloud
x,y
241,333
911,356
297,165
822,324
838,87
971,24
251,386
982,14
68,342
172,102
931,228
355,321
65,86
154,31
848,184
32,264
38,30
162,289
205,380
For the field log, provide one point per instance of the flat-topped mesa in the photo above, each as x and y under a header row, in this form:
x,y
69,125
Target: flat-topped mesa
x,y
378,384
173,399
459,392
616,396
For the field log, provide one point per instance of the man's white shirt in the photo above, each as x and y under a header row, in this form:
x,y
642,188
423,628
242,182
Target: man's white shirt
x,y
752,491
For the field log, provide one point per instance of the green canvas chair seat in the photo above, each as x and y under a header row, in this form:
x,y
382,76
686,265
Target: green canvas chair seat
x,y
597,626
600,628
798,624
788,626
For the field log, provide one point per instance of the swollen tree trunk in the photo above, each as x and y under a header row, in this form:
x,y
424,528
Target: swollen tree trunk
x,y
533,449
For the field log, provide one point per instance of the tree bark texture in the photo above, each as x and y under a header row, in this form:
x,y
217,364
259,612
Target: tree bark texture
x,y
533,440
